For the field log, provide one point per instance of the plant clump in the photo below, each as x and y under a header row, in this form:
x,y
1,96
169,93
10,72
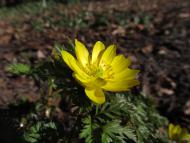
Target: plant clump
x,y
63,114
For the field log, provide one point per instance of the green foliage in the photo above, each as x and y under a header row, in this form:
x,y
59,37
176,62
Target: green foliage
x,y
38,25
19,69
113,131
39,132
132,19
74,21
88,129
29,8
124,119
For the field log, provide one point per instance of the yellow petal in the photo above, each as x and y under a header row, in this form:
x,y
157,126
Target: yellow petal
x,y
72,63
108,55
90,82
82,53
120,85
171,127
98,47
119,63
84,81
177,130
96,95
69,60
126,74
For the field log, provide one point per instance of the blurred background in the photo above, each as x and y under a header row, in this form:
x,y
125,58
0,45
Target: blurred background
x,y
155,34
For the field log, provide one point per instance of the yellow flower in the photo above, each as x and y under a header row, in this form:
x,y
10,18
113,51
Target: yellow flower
x,y
102,71
178,134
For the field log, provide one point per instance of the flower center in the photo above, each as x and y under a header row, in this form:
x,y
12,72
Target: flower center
x,y
108,71
102,71
93,70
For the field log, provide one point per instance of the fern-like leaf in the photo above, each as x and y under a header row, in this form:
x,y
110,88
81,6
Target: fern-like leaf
x,y
87,131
